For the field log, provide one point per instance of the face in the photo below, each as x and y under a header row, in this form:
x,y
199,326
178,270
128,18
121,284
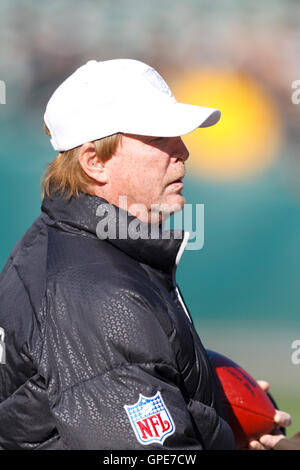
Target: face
x,y
149,172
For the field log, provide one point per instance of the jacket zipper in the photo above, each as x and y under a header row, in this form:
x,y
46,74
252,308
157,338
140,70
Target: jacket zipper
x,y
178,295
2,347
176,289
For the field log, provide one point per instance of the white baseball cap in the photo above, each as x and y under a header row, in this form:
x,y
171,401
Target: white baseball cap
x,y
121,95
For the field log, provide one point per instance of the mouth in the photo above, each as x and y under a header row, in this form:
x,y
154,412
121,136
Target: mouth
x,y
178,183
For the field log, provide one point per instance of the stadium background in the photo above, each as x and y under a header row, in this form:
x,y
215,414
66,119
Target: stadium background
x,y
243,286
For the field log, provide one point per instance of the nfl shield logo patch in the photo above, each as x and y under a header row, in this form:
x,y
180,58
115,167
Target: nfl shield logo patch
x,y
150,419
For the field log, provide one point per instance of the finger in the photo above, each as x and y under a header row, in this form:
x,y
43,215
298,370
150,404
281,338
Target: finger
x,y
255,445
270,441
282,418
264,385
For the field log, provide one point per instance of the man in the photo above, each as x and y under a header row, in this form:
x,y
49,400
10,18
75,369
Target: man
x,y
101,351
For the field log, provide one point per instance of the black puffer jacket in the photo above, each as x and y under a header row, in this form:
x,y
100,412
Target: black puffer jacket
x,y
92,327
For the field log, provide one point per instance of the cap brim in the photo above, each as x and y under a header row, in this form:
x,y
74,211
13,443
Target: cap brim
x,y
171,120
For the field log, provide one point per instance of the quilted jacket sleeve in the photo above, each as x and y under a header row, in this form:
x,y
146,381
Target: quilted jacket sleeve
x,y
111,374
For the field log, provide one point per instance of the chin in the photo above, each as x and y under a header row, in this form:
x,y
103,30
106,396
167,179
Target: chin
x,y
162,211
176,203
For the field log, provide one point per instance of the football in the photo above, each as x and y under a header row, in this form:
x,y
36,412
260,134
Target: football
x,y
249,409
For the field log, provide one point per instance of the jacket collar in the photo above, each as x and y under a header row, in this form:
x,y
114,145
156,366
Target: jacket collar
x,y
91,215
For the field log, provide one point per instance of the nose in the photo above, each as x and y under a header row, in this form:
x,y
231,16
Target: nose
x,y
180,151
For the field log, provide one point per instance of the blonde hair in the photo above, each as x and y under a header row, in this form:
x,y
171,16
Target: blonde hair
x,y
65,174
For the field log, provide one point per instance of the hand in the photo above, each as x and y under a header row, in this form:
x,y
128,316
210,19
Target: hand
x,y
281,419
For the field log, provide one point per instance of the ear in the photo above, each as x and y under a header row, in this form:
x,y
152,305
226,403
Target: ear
x,y
91,163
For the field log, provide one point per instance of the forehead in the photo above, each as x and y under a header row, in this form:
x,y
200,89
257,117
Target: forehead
x,y
149,146
152,140
141,138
